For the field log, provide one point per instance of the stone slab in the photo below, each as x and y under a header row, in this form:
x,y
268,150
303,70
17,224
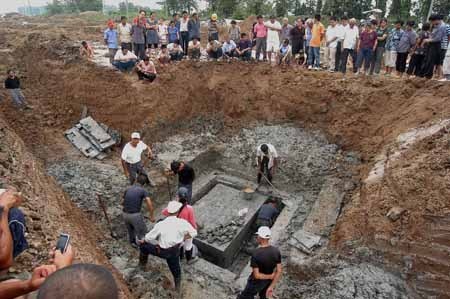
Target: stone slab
x,y
81,143
217,208
326,209
304,240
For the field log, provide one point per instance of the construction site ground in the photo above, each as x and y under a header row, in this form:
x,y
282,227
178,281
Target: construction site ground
x,y
354,149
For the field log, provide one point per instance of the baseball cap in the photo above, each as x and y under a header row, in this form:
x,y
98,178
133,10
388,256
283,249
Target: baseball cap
x,y
174,206
135,135
183,192
264,232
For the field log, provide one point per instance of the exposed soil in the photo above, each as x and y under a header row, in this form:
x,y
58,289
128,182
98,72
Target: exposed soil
x,y
364,115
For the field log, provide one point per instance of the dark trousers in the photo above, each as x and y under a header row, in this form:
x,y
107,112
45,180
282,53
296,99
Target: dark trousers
x,y
176,56
264,169
246,56
184,36
344,59
365,56
400,63
142,76
432,59
134,170
415,64
254,287
124,66
171,255
189,188
139,50
215,54
338,56
377,58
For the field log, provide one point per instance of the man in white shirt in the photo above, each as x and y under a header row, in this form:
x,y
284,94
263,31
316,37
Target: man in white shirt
x,y
194,49
332,38
175,51
267,161
228,48
273,37
132,157
165,240
214,49
124,60
124,31
351,36
341,26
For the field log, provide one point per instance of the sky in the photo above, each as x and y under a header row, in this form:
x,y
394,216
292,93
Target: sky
x,y
12,5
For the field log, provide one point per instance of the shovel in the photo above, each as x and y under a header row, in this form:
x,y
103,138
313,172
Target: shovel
x,y
103,207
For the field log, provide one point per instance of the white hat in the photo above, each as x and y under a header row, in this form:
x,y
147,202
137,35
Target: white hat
x,y
264,232
174,206
135,135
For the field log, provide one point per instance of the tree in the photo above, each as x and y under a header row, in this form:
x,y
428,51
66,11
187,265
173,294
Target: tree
x,y
55,7
282,7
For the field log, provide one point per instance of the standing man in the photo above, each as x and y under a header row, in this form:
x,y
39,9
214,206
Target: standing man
x,y
261,37
124,31
186,176
332,38
184,32
234,32
194,27
176,20
267,161
273,38
132,201
341,32
138,36
390,57
351,36
132,157
266,266
111,40
165,240
366,46
213,28
382,34
12,83
297,41
406,43
317,35
286,30
434,58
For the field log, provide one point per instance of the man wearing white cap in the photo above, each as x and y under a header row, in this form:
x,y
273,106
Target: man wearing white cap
x,y
165,239
132,157
266,266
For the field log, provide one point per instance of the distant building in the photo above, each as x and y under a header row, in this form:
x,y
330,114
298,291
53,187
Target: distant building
x,y
32,10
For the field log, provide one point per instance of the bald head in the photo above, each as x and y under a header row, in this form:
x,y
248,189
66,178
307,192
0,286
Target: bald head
x,y
86,281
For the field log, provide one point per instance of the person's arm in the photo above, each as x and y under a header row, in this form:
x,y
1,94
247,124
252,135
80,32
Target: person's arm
x,y
152,235
191,218
105,37
6,241
14,289
260,276
150,208
191,232
275,280
125,168
375,45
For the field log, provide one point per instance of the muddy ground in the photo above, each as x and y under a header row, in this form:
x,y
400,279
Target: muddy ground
x,y
373,133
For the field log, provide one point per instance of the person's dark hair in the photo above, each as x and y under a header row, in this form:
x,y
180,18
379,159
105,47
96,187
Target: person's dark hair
x,y
384,20
175,15
374,22
210,39
146,58
410,23
125,47
233,22
87,281
84,43
176,42
259,17
426,27
142,10
436,17
317,17
272,200
264,148
184,12
333,18
9,71
123,18
183,200
399,22
243,34
163,46
142,179
174,166
172,22
286,41
272,17
344,18
194,14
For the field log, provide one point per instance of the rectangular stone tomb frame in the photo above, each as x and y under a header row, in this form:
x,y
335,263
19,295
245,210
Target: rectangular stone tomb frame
x,y
224,217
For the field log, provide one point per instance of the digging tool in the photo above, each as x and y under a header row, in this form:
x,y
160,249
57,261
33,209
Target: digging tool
x,y
169,189
267,180
103,207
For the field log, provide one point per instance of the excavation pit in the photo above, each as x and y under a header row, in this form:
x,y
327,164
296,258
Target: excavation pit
x,y
225,218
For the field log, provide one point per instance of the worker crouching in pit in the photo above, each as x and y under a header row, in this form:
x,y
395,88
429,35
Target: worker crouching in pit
x,y
166,239
132,157
267,213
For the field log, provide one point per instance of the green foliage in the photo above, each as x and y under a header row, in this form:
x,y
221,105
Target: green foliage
x,y
71,6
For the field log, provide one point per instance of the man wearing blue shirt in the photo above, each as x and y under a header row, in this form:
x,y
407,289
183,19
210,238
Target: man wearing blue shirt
x,y
111,36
